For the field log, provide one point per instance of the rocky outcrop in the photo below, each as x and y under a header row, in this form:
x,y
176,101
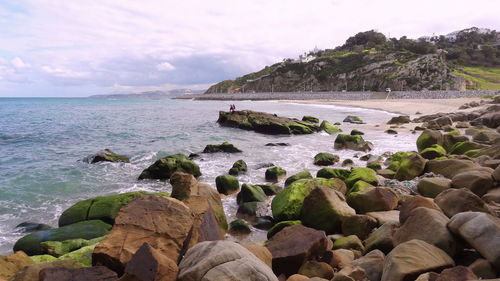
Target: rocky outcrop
x,y
351,142
11,264
164,168
223,147
106,155
265,123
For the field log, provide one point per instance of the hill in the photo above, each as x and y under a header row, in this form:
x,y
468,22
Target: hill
x,y
150,94
368,61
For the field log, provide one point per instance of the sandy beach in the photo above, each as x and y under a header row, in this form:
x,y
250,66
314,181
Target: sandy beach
x,y
401,106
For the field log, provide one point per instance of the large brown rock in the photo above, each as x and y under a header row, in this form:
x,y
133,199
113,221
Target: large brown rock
x,y
384,217
412,203
11,264
493,196
222,261
163,223
148,264
481,231
454,201
359,225
294,245
96,273
324,209
316,269
372,263
450,167
381,239
372,199
408,260
431,187
478,181
482,269
338,258
261,252
457,273
205,225
427,225
32,271
410,167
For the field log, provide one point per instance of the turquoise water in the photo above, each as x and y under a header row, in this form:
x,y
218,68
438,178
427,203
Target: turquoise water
x,y
42,142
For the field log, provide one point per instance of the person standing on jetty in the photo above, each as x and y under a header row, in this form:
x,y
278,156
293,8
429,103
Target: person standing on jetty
x,y
232,108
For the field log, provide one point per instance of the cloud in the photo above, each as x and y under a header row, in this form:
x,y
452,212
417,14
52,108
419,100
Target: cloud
x,y
165,66
18,63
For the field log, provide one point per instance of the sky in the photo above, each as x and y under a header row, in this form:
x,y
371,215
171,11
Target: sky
x,y
72,48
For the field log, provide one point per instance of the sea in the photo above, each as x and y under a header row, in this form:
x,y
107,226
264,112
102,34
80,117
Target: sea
x,y
44,140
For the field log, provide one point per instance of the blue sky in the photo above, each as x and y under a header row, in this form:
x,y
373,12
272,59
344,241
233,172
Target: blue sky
x,y
86,47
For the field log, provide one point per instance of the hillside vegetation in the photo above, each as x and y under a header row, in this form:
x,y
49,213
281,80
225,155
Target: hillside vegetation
x,y
368,61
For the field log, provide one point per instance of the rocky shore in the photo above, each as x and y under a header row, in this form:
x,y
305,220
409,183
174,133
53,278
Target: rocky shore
x,y
428,214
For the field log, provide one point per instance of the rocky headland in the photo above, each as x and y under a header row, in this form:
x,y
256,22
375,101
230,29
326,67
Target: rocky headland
x,y
428,214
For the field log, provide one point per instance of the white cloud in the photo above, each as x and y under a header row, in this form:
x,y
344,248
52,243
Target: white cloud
x,y
63,73
165,66
18,63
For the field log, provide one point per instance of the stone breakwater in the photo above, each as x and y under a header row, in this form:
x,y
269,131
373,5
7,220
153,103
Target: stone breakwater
x,y
341,95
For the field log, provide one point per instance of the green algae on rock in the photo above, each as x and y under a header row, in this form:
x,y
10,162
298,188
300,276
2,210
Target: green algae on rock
x,y
310,119
250,193
329,173
329,128
106,155
223,147
356,142
275,174
365,174
325,159
279,226
238,167
163,168
298,176
227,184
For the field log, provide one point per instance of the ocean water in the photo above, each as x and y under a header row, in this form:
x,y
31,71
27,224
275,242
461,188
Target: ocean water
x,y
43,140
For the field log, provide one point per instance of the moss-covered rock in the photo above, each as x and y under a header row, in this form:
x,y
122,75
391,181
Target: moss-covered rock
x,y
163,168
395,159
223,147
106,155
43,258
347,163
310,119
329,173
103,208
353,119
270,189
227,184
374,166
365,174
82,256
239,227
59,248
356,142
351,242
434,151
410,167
329,128
359,186
465,146
355,132
450,140
428,138
391,132
238,167
250,193
300,175
287,205
30,244
402,119
279,226
325,159
275,174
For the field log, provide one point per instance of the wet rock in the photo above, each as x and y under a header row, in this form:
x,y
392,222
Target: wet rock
x,y
410,167
347,163
294,245
227,184
352,142
31,227
329,128
480,230
325,159
486,136
238,167
478,181
106,155
386,173
355,132
365,174
324,209
275,174
279,226
162,222
432,187
310,119
250,193
402,119
223,147
277,144
316,269
359,225
454,201
270,189
428,138
329,173
11,264
408,260
391,132
432,152
300,175
353,119
163,168
239,227
30,244
350,242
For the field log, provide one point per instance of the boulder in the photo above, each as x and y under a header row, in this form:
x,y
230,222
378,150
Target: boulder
x,y
250,193
454,201
355,142
59,248
265,123
432,187
449,167
353,119
337,259
463,147
298,277
402,119
408,260
482,269
481,231
300,175
32,227
97,273
316,269
373,199
478,181
223,147
32,272
350,242
350,273
222,260
372,263
329,173
356,132
385,216
359,225
410,167
82,257
205,227
381,239
325,159
163,223
30,244
433,151
329,128
163,168
279,226
252,210
106,155
428,138
227,184
457,273
287,205
270,189
11,264
413,203
238,167
275,174
486,136
310,119
427,225
493,196
239,227
324,209
103,208
365,174
294,245
391,132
